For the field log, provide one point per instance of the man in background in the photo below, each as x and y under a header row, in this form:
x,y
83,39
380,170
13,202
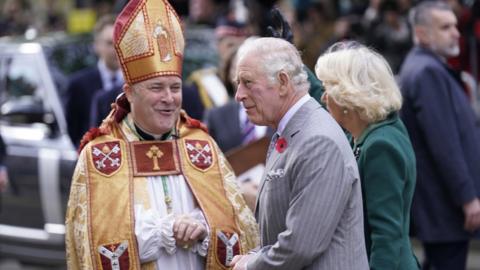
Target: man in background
x,y
3,169
86,83
445,137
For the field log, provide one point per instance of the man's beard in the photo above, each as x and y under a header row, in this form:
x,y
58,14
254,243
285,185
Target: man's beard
x,y
447,52
453,51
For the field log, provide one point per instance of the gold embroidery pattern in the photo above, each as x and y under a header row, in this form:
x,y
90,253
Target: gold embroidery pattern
x,y
161,34
177,34
141,195
154,153
79,172
249,237
76,239
133,43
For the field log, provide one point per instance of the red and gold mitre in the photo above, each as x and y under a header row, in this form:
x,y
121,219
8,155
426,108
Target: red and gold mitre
x,y
149,40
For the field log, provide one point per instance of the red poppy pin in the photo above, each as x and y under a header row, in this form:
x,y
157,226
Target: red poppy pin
x,y
281,145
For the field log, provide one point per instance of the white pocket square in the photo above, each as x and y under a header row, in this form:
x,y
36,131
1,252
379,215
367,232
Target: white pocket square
x,y
274,174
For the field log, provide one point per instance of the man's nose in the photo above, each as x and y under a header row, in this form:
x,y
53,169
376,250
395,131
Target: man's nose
x,y
167,96
239,96
456,33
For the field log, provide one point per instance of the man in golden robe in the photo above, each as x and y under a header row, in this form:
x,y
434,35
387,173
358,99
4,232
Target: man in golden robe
x,y
151,189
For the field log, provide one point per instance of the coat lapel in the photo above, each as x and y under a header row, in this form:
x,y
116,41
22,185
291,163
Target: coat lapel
x,y
292,129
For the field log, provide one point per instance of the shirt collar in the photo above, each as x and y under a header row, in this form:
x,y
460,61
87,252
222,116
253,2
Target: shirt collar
x,y
144,136
107,74
284,121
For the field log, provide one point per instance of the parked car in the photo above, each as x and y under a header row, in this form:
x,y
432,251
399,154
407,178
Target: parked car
x,y
40,155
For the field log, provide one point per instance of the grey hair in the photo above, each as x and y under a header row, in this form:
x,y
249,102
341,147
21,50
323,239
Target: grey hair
x,y
276,55
421,14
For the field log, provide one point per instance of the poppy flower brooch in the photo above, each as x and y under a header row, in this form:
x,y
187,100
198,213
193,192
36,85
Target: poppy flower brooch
x,y
281,145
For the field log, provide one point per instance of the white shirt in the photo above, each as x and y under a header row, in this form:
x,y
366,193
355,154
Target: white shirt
x,y
154,227
106,75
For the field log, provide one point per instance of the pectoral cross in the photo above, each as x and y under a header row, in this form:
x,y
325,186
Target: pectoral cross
x,y
155,153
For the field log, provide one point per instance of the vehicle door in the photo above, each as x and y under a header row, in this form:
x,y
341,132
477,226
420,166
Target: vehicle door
x,y
40,156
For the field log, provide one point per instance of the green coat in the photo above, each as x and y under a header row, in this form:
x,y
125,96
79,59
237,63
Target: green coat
x,y
386,163
316,88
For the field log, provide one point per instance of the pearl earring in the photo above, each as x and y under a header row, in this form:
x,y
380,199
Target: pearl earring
x,y
345,111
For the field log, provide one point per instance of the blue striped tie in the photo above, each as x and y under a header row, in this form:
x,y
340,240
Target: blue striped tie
x,y
273,141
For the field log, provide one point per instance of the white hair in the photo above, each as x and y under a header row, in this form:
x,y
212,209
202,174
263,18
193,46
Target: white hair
x,y
359,79
275,55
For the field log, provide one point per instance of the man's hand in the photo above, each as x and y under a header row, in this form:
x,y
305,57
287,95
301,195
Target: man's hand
x,y
472,215
239,262
3,179
187,231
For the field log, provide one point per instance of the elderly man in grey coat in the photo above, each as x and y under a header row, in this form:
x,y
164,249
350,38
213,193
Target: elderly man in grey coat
x,y
310,205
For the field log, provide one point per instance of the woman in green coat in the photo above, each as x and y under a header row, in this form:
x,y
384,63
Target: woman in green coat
x,y
362,96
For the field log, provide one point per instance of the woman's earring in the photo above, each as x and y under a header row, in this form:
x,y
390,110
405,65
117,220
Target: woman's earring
x,y
345,111
323,98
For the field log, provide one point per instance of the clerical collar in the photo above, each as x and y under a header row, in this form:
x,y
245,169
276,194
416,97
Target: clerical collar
x,y
148,137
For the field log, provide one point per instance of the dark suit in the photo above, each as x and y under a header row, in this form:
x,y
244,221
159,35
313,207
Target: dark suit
x,y
309,206
101,105
82,87
3,151
224,125
446,139
191,101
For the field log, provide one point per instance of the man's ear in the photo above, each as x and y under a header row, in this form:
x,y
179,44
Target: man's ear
x,y
284,81
96,47
421,34
128,91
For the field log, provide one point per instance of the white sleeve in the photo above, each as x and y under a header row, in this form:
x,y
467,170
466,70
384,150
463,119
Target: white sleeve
x,y
153,233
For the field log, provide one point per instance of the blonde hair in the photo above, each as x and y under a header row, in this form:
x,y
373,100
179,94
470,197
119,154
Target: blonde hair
x,y
359,79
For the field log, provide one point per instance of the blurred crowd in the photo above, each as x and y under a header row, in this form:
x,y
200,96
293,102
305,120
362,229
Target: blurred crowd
x,y
316,24
380,24
215,29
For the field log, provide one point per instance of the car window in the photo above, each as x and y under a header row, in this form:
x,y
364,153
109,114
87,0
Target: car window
x,y
72,54
67,56
22,79
22,89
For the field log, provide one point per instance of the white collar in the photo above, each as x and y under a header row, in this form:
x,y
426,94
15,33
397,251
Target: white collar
x,y
284,121
106,74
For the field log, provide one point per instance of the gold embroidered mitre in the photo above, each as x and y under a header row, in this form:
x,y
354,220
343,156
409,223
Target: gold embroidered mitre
x,y
149,40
